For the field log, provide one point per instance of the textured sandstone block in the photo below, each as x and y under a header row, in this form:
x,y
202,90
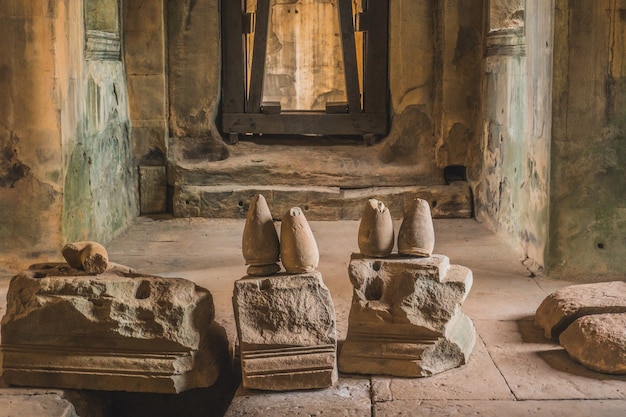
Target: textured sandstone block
x,y
287,332
598,342
405,318
35,403
563,306
117,331
152,189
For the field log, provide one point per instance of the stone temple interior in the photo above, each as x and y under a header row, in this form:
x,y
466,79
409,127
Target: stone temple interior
x,y
149,125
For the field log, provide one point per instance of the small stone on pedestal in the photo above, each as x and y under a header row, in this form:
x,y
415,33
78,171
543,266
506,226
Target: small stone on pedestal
x,y
417,234
406,317
259,243
298,248
376,235
118,331
287,332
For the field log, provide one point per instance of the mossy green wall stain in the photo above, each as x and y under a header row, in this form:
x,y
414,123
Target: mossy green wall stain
x,y
101,181
512,193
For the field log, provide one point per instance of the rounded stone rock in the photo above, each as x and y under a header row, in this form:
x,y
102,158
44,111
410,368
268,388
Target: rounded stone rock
x,y
89,256
376,234
598,342
417,234
298,248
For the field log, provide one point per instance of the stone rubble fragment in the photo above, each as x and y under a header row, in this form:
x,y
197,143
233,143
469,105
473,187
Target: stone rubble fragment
x,y
260,245
118,331
562,307
376,234
405,318
598,342
88,256
287,332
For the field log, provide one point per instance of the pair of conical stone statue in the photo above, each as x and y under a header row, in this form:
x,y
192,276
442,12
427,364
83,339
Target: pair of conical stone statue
x,y
416,236
262,250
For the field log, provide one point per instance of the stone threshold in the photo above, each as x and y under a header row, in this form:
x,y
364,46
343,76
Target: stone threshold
x,y
319,203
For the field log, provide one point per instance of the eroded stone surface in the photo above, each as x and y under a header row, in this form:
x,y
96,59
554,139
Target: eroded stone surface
x,y
117,331
405,318
563,306
349,397
287,332
598,342
35,403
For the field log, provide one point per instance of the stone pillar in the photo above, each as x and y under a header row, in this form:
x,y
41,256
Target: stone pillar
x,y
287,332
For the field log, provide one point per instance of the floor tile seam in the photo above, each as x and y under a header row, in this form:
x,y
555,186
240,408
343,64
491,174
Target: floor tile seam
x,y
502,400
498,368
372,397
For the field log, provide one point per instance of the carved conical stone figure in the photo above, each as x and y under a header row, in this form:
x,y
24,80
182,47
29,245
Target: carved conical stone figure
x,y
417,235
259,243
376,235
298,249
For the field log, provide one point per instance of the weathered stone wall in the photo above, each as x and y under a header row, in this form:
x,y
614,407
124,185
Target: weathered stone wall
x,y
144,34
588,179
65,171
31,172
460,26
512,193
194,56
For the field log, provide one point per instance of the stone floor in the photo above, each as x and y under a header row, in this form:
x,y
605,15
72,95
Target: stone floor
x,y
513,371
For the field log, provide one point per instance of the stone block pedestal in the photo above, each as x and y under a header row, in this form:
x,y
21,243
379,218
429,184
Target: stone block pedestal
x,y
118,331
406,317
287,332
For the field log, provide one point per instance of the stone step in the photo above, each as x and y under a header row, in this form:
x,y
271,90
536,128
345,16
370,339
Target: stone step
x,y
318,203
291,165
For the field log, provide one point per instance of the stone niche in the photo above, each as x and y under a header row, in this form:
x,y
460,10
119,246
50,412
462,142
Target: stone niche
x,y
118,331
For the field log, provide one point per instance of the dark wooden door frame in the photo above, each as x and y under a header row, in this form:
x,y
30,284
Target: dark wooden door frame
x,y
244,112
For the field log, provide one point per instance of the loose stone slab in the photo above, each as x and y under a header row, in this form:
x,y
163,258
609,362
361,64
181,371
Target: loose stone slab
x,y
287,332
563,306
598,342
349,397
405,318
35,403
118,331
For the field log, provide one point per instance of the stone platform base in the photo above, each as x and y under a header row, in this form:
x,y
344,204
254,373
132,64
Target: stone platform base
x,y
405,318
287,332
118,331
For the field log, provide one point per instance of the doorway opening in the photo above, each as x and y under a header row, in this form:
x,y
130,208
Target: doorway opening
x,y
305,67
